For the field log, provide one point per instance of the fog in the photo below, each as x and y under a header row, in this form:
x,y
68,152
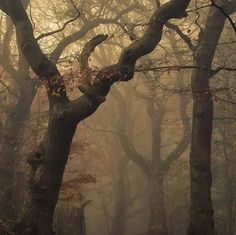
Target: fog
x,y
117,117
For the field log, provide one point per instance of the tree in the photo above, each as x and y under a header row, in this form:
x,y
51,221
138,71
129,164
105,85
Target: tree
x,y
48,163
25,89
201,210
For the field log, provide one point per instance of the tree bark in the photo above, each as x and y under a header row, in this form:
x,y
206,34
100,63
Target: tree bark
x,y
48,165
158,223
201,209
49,162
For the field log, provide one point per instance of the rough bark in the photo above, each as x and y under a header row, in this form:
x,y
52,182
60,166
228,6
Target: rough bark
x,y
49,162
48,165
201,210
14,126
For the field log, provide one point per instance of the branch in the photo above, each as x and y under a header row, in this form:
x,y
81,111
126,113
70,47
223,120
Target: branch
x,y
186,39
146,44
61,29
84,30
84,204
180,67
117,133
40,64
124,69
127,144
89,48
4,85
84,67
225,14
224,100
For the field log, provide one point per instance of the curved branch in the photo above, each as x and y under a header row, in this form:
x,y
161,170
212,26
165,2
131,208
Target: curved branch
x,y
146,44
84,30
124,69
186,39
40,64
89,48
127,144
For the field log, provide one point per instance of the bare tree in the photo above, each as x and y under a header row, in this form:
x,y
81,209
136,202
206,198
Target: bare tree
x,y
48,163
201,210
17,114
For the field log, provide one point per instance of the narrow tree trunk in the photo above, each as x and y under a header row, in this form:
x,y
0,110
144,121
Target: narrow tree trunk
x,y
158,224
118,224
10,151
201,210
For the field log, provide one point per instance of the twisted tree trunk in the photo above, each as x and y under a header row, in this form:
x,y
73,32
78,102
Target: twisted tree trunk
x,y
49,162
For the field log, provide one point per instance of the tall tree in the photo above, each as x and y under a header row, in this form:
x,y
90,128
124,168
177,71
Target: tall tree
x,y
17,114
201,209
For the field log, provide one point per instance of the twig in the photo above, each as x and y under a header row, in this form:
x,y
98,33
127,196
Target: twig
x,y
63,27
176,67
3,84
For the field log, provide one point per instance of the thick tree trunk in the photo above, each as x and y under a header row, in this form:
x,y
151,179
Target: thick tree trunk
x,y
158,224
48,165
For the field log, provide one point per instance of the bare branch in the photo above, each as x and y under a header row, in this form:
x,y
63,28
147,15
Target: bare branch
x,y
4,85
61,29
225,14
180,67
84,30
186,39
41,65
89,48
126,142
124,69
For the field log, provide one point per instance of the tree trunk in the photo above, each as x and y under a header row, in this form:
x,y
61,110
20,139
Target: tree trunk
x,y
158,224
118,223
10,151
201,210
47,165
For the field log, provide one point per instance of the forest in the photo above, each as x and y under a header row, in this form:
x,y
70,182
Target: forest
x,y
117,117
